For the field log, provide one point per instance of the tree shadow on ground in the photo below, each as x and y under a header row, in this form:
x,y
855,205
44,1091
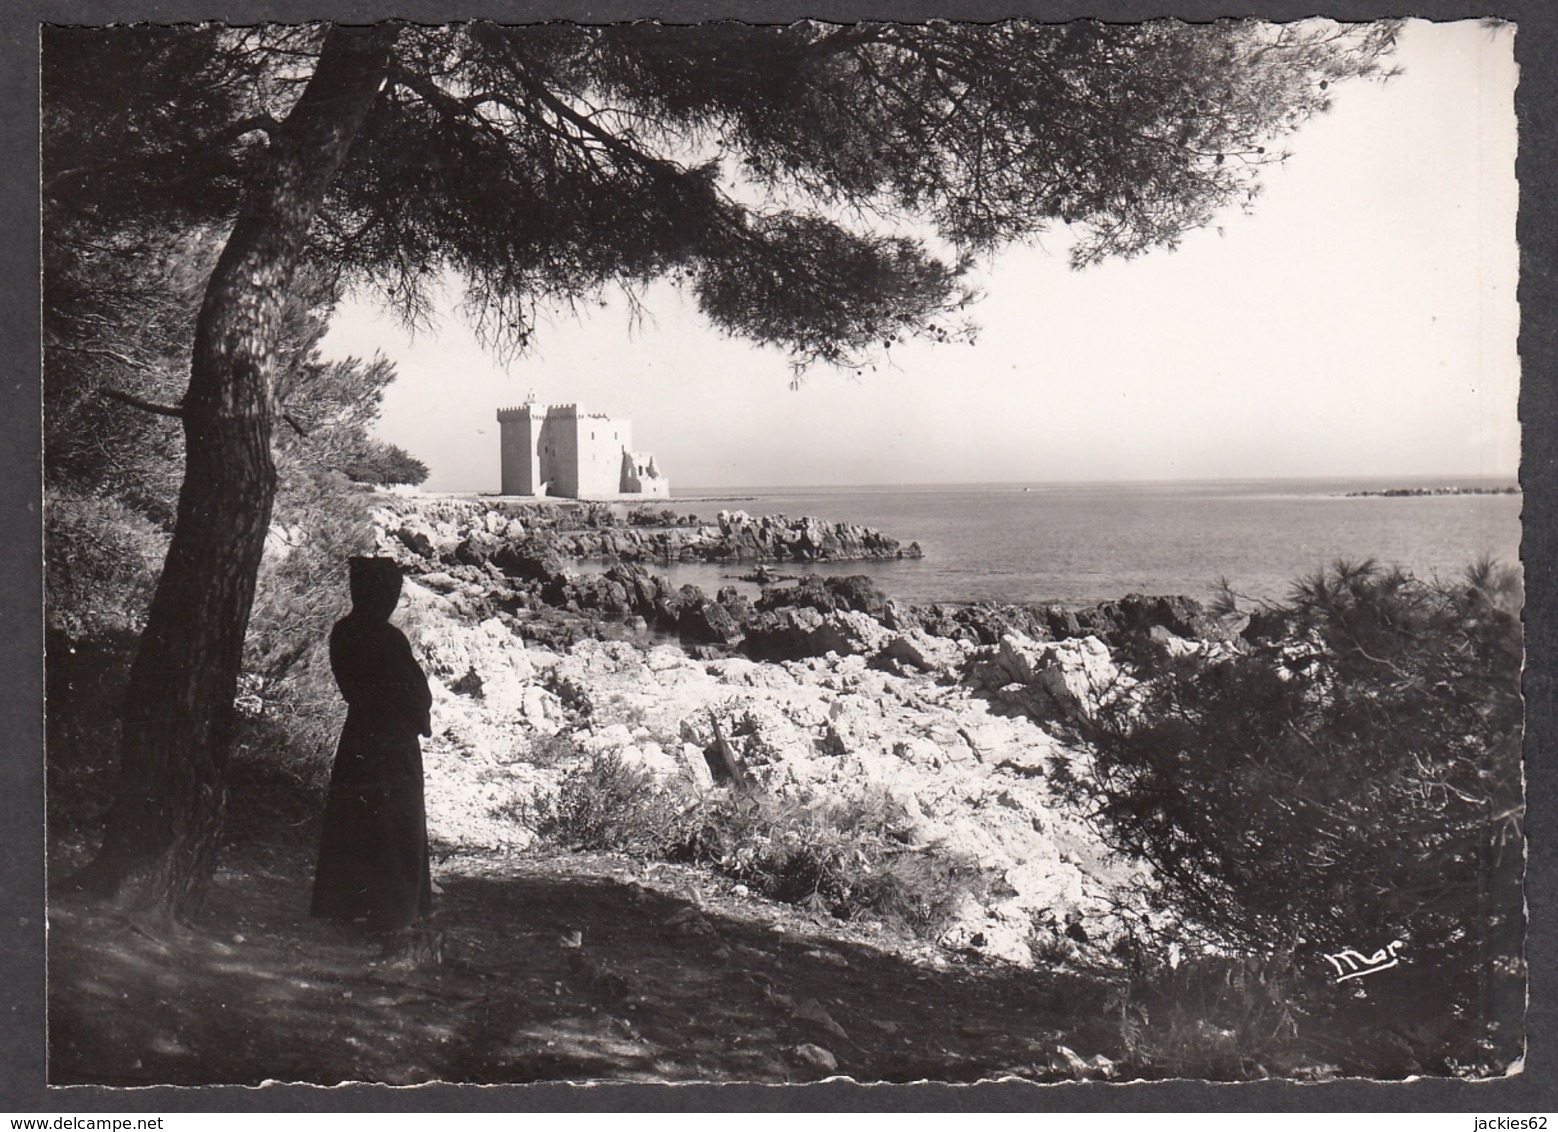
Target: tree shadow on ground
x,y
544,971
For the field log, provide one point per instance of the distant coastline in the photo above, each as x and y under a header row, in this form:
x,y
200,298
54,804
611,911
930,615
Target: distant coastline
x,y
1404,492
1077,545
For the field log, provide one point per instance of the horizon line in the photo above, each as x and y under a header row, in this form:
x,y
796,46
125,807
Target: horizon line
x,y
1444,479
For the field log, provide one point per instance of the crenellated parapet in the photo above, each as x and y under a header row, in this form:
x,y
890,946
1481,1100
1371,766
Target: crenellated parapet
x,y
532,411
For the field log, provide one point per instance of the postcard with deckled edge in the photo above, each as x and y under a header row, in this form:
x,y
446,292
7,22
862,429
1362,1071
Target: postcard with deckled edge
x,y
752,553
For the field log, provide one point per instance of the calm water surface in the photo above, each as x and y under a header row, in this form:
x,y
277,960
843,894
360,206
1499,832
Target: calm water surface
x,y
1081,543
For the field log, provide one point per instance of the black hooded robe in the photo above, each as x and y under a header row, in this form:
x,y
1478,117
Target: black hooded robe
x,y
373,858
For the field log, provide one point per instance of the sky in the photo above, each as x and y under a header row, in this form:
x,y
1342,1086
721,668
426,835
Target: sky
x,y
1360,322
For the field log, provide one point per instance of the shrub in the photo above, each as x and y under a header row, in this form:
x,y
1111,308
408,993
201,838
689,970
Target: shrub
x,y
606,804
845,859
842,859
1352,780
84,683
383,463
101,560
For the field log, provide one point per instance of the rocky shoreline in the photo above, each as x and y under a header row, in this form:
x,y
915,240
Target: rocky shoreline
x,y
503,559
475,530
824,689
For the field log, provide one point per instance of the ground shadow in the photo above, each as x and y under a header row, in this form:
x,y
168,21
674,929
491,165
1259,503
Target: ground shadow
x,y
539,974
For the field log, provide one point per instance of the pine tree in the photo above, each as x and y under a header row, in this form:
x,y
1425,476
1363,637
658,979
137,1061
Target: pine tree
x,y
819,187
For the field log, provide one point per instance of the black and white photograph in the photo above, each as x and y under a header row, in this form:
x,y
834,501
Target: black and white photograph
x,y
763,552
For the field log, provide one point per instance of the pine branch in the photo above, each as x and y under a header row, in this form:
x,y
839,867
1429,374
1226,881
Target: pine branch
x,y
139,403
204,151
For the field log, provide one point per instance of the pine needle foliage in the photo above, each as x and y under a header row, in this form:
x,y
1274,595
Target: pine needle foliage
x,y
1353,779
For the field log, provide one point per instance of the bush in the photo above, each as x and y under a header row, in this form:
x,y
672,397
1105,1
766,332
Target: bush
x,y
382,463
1224,1018
1352,780
606,804
846,860
101,561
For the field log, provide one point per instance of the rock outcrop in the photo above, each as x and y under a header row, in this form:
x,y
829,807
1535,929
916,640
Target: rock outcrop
x,y
780,539
436,528
835,594
1129,623
823,688
1060,680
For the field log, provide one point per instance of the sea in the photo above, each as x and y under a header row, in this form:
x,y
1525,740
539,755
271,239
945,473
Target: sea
x,y
1076,544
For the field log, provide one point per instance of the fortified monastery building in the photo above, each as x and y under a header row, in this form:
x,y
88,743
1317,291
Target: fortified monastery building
x,y
562,450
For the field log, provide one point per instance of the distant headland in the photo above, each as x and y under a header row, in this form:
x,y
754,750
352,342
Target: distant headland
x,y
1398,492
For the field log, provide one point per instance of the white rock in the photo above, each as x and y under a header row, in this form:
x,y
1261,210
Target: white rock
x,y
918,751
732,520
918,649
658,760
1044,884
614,737
1074,674
1172,644
535,704
664,658
851,633
697,767
990,937
1031,758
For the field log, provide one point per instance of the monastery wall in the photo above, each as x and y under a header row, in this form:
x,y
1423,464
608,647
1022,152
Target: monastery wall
x,y
518,451
640,476
600,443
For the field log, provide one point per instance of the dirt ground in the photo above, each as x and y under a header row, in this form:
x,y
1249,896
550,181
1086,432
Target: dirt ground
x,y
545,968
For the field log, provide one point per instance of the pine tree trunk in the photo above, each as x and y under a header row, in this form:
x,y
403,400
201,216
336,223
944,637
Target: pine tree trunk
x,y
162,830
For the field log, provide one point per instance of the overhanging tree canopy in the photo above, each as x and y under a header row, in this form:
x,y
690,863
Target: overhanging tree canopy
x,y
818,187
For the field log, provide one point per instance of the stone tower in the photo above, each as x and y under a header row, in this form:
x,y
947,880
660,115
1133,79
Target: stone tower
x,y
565,451
518,451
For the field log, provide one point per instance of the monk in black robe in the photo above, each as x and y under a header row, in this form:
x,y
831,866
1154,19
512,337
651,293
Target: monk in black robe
x,y
373,860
